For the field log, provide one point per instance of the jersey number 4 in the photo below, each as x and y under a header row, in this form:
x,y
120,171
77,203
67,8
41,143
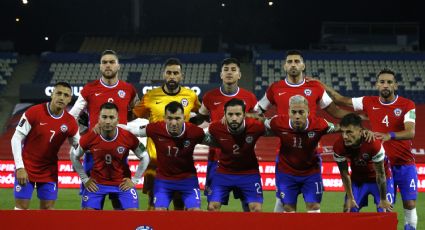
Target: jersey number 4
x,y
385,120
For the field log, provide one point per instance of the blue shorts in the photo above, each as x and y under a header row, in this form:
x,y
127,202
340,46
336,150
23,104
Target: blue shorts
x,y
163,192
361,192
406,179
128,199
211,171
249,185
289,187
45,190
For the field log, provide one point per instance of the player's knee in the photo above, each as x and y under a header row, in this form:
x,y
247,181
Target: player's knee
x,y
22,205
160,209
409,204
313,206
193,209
214,206
255,207
288,208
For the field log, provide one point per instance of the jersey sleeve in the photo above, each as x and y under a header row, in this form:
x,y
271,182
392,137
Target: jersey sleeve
x,y
204,110
134,142
141,109
196,103
339,151
79,106
24,125
378,150
410,115
357,103
325,100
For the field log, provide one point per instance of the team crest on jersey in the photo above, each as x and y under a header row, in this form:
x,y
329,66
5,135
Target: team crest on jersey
x,y
85,198
121,93
397,112
249,139
311,134
282,195
186,143
110,100
184,102
144,227
18,188
120,149
365,156
64,128
307,92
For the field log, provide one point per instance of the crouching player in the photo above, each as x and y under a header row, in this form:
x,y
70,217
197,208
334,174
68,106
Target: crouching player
x,y
111,173
369,165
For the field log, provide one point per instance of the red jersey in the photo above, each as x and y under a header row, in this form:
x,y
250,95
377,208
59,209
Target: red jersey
x,y
297,155
175,154
237,150
213,104
97,93
279,93
362,159
110,165
45,134
390,117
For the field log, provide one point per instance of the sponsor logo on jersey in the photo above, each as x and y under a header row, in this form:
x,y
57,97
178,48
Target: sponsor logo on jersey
x,y
144,227
64,128
217,103
397,112
18,188
22,122
249,139
366,156
184,102
121,93
120,149
186,143
311,134
307,92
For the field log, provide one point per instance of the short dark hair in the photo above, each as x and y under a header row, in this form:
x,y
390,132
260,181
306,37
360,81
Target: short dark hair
x,y
64,84
351,119
173,106
228,61
173,61
109,105
386,70
235,102
109,52
294,52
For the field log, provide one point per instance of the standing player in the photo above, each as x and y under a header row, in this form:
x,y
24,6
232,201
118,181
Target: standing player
x,y
175,141
370,172
279,92
212,108
110,173
392,117
152,107
42,128
106,89
237,162
299,165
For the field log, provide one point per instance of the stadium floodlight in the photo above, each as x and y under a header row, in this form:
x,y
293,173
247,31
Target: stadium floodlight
x,y
271,3
46,38
17,19
223,4
24,2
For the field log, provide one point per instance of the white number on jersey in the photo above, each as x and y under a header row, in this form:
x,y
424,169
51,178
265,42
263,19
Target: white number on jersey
x,y
385,120
299,145
53,134
108,159
236,149
173,149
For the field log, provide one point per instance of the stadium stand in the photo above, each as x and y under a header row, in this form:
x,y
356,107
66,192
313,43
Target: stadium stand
x,y
153,45
79,68
7,63
351,74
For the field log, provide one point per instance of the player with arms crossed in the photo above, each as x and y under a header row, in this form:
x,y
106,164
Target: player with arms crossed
x,y
109,88
175,141
299,165
152,107
370,171
237,162
212,109
393,118
110,173
41,131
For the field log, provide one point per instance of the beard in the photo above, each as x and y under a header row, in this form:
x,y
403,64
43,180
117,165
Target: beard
x,y
234,125
386,93
172,85
294,72
109,74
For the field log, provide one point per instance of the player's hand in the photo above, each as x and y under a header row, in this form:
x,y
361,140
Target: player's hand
x,y
96,128
368,135
91,186
382,136
126,184
22,176
385,205
349,204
